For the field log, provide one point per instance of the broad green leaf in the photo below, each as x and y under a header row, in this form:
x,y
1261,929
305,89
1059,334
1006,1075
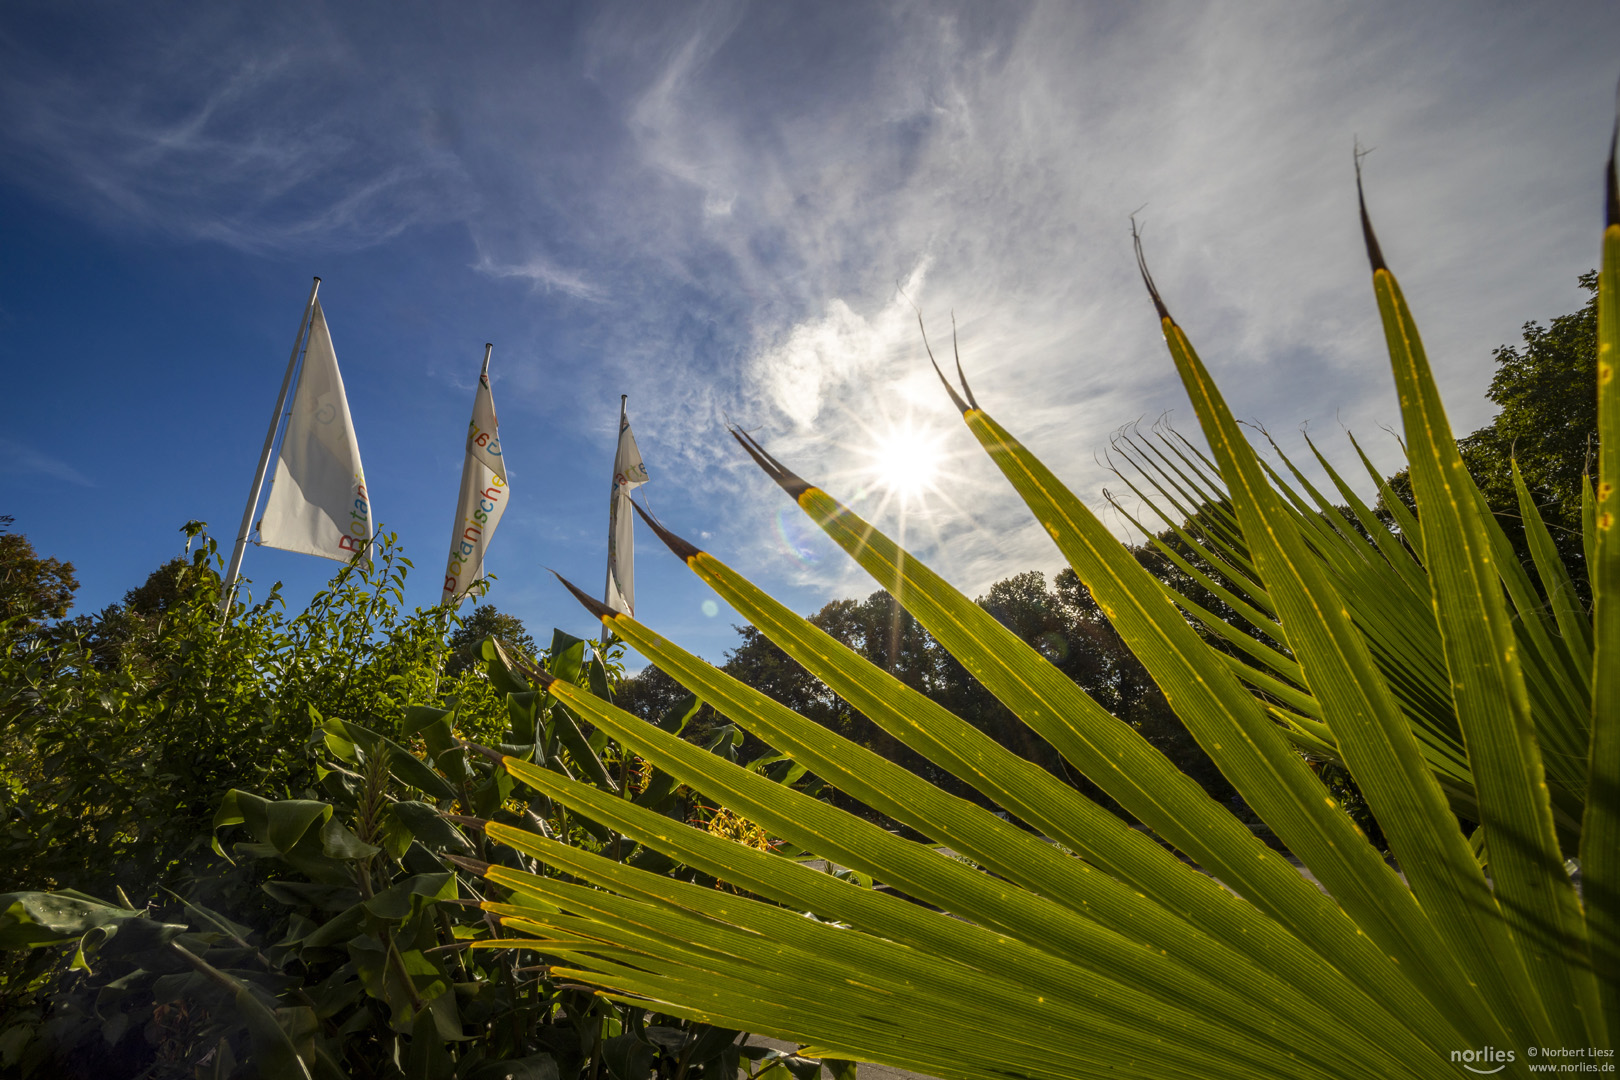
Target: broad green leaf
x,y
273,1049
281,823
404,765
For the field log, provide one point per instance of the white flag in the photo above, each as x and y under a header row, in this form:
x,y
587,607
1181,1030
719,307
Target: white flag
x,y
483,494
318,503
628,474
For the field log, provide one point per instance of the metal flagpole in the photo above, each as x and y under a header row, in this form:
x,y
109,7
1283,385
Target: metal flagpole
x,y
229,591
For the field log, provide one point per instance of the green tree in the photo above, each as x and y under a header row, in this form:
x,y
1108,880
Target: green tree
x,y
486,621
32,589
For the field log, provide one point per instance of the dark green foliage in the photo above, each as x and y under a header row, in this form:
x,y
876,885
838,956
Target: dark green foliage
x,y
325,931
137,720
485,621
32,589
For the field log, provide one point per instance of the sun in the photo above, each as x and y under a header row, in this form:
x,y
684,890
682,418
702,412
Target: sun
x,y
906,461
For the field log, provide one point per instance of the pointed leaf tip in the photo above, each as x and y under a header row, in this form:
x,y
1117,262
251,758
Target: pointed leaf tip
x,y
680,547
592,605
966,389
1375,254
1147,278
784,477
1613,216
956,399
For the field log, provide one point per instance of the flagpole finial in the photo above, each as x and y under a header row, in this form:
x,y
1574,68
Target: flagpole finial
x,y
317,279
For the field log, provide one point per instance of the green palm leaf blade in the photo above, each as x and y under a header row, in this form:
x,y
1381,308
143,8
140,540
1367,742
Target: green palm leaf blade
x,y
1061,926
1205,513
1019,972
1013,783
1220,934
1600,832
1457,928
1395,620
1395,553
1248,606
1215,513
1399,629
1326,513
1559,703
1119,761
1588,521
1377,742
1405,524
693,937
1532,889
1568,651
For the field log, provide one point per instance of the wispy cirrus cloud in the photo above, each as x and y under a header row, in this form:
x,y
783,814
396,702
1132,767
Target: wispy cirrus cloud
x,y
545,275
17,459
1008,153
261,136
717,202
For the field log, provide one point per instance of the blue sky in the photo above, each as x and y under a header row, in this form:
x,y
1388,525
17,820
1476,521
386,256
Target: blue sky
x,y
711,207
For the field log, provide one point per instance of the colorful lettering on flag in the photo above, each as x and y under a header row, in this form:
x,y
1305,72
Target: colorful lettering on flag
x,y
484,494
318,503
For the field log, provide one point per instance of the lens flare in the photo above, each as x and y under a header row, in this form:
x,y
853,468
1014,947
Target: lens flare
x,y
795,534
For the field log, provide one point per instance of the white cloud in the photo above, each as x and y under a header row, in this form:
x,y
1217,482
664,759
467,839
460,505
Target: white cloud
x,y
825,357
724,198
545,274
1010,159
19,460
258,136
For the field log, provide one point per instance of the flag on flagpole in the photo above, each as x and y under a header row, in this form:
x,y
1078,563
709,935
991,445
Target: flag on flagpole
x,y
628,474
483,494
318,503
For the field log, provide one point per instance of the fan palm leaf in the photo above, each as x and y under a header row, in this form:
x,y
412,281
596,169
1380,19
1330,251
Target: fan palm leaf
x,y
1085,945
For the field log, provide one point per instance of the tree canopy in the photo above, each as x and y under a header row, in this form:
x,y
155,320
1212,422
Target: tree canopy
x,y
31,588
486,621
